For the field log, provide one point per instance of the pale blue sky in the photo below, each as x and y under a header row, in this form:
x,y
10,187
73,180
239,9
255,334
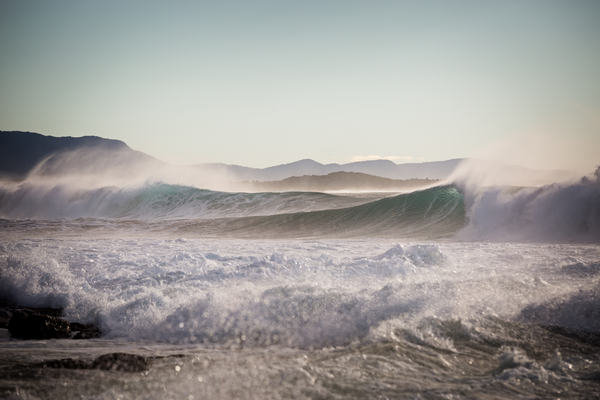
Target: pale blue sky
x,y
260,83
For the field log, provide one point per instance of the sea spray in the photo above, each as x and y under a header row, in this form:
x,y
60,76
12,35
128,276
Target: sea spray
x,y
50,200
559,212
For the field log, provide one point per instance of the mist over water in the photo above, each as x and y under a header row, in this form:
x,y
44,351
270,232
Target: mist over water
x,y
563,211
475,203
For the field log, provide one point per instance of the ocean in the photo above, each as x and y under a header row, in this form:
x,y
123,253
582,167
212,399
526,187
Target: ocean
x,y
450,292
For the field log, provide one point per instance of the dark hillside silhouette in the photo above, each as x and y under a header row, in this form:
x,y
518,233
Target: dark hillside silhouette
x,y
20,152
354,181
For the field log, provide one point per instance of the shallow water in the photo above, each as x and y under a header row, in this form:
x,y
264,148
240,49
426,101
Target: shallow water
x,y
309,319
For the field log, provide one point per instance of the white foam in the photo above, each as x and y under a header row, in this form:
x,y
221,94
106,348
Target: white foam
x,y
555,213
301,294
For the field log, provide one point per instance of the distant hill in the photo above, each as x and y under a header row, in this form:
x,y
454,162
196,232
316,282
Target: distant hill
x,y
27,154
381,168
351,181
21,152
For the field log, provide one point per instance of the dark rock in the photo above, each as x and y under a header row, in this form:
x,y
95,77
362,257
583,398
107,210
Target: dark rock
x,y
85,331
66,363
589,338
26,325
51,311
121,362
5,316
44,320
594,376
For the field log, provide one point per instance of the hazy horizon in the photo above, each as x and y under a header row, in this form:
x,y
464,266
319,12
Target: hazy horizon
x,y
264,83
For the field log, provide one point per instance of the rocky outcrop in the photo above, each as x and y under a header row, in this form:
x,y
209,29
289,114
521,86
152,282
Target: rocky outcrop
x,y
590,338
85,331
44,323
25,325
121,362
5,316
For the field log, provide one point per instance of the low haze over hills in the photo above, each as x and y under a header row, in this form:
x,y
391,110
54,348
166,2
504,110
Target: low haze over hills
x,y
27,154
21,152
343,181
381,168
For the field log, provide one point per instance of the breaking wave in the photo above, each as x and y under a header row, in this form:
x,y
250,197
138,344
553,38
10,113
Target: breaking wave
x,y
568,212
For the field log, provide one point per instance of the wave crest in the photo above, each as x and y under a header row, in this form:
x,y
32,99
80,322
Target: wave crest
x,y
553,213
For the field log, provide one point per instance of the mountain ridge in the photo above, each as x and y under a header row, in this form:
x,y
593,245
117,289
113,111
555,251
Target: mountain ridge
x,y
23,153
28,154
338,181
381,168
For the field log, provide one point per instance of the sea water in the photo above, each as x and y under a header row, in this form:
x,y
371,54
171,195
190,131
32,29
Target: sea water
x,y
434,294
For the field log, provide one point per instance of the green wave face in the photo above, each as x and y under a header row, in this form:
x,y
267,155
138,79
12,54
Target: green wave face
x,y
163,201
433,213
428,214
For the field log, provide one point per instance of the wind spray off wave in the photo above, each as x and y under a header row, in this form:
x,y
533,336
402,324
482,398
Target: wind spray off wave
x,y
153,201
187,211
559,212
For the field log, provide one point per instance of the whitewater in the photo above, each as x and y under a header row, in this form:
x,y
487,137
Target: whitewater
x,y
454,291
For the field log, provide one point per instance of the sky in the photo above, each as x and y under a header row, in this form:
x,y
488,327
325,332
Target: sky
x,y
261,83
